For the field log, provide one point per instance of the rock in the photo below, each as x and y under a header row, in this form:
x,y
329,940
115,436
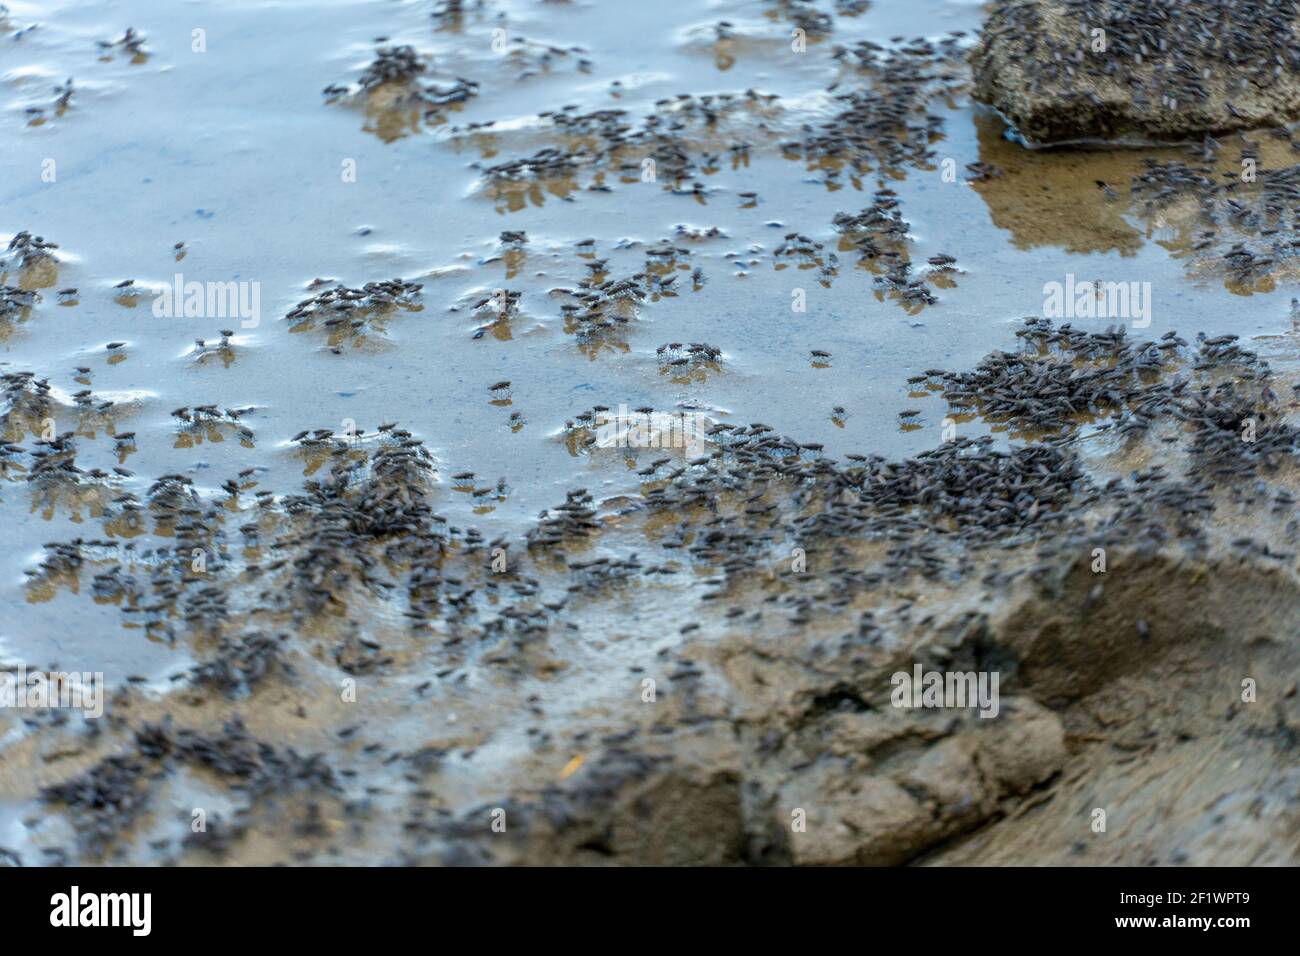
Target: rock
x,y
872,821
916,792
1076,70
1025,751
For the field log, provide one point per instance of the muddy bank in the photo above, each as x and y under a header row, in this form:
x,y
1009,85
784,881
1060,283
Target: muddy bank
x,y
726,693
1080,70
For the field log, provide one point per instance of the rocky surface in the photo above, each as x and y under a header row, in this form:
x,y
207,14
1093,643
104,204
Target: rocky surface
x,y
1078,70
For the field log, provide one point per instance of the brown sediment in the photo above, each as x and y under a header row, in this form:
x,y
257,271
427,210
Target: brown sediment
x,y
772,704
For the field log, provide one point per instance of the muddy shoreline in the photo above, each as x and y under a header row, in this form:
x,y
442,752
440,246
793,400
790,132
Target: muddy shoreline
x,y
773,709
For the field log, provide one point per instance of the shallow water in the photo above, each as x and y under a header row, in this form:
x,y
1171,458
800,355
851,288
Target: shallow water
x,y
235,153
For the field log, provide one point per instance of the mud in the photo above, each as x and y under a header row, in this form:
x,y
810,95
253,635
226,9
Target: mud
x,y
774,701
